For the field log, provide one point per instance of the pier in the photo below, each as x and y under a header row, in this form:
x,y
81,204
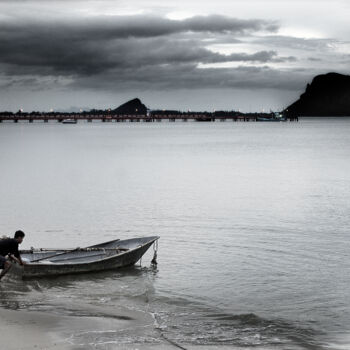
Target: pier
x,y
60,117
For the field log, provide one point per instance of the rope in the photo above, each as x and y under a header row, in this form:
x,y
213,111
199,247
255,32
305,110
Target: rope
x,y
155,250
161,333
172,342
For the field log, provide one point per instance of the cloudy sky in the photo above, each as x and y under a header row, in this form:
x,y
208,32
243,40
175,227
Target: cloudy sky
x,y
199,55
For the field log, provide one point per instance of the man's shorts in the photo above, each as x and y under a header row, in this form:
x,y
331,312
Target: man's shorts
x,y
2,261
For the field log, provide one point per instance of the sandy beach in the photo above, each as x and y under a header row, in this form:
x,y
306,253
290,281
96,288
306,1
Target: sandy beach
x,y
30,330
26,330
22,330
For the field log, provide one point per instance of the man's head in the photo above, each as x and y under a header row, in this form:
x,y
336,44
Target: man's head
x,y
19,235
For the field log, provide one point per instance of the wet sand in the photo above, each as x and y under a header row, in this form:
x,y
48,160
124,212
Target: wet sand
x,y
26,330
22,330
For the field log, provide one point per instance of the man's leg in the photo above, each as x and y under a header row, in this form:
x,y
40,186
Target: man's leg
x,y
7,266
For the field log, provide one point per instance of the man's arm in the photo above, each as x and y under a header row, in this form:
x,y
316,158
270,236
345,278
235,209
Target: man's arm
x,y
16,256
17,259
12,257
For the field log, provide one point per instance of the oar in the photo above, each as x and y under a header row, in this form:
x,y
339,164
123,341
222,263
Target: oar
x,y
70,251
54,255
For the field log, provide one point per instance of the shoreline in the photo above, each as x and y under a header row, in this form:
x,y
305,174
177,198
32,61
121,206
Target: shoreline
x,y
29,330
33,330
25,330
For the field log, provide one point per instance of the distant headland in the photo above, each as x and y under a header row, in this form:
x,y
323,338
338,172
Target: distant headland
x,y
327,95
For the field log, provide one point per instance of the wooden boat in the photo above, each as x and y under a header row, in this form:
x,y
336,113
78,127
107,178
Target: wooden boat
x,y
275,117
262,119
105,256
69,121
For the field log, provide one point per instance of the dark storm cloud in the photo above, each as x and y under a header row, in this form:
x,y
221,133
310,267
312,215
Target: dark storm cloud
x,y
114,27
50,57
87,47
114,52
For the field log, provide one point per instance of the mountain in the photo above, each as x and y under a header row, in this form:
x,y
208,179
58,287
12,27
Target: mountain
x,y
327,95
134,106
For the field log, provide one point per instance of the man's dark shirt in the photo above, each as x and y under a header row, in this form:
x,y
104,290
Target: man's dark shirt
x,y
9,246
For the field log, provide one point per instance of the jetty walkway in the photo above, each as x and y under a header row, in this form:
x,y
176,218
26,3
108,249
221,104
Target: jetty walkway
x,y
134,118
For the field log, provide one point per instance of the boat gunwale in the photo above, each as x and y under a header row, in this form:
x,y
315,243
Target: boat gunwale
x,y
154,238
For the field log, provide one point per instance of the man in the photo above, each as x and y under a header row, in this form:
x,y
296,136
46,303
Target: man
x,y
9,246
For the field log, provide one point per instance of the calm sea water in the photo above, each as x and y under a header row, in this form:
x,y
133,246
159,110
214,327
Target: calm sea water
x,y
254,222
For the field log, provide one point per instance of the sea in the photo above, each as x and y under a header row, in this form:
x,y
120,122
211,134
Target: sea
x,y
253,219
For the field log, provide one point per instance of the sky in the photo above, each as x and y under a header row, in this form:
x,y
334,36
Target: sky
x,y
251,55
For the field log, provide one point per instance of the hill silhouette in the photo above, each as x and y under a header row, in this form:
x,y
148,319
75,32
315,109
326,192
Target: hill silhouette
x,y
327,95
134,106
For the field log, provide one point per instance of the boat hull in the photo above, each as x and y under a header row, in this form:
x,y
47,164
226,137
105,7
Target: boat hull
x,y
63,266
69,121
271,120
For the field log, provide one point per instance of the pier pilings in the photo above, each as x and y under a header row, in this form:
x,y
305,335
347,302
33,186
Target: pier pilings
x,y
137,118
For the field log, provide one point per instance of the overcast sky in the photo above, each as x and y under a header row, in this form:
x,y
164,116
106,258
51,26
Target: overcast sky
x,y
199,55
